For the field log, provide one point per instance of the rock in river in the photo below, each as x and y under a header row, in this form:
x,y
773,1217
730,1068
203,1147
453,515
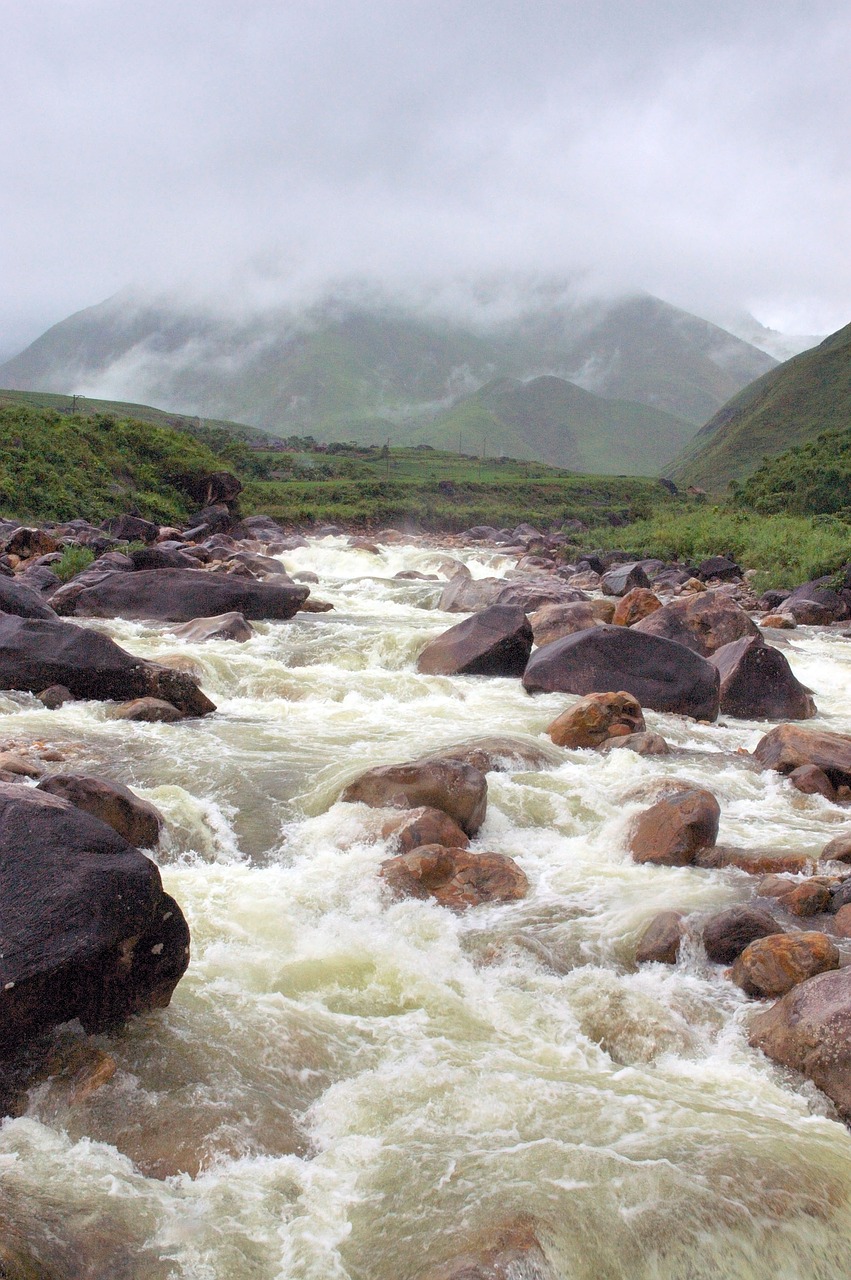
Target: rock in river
x,y
37,652
87,930
457,788
757,682
702,622
455,877
672,831
133,818
788,747
662,675
495,642
180,595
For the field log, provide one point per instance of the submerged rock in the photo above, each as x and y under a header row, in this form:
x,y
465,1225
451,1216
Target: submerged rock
x,y
495,642
225,626
661,939
148,710
87,930
456,878
511,1253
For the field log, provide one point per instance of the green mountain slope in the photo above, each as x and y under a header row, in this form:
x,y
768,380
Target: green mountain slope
x,y
788,406
554,420
345,370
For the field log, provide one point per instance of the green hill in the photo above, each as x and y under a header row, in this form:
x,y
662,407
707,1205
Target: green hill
x,y
351,370
788,406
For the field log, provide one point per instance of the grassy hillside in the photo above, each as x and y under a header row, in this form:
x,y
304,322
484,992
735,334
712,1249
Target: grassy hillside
x,y
809,479
791,405
559,422
346,370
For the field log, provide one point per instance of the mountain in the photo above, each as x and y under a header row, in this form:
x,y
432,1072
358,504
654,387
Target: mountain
x,y
782,346
347,368
791,405
558,422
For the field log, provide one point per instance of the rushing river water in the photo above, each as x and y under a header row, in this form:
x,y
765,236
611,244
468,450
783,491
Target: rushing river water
x,y
347,1088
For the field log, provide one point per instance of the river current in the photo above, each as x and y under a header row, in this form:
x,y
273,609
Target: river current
x,y
348,1088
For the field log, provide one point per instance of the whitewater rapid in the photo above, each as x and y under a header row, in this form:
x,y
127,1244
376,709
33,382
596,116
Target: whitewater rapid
x,y
346,1088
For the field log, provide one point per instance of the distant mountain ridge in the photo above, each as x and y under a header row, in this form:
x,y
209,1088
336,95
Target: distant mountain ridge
x,y
344,370
791,405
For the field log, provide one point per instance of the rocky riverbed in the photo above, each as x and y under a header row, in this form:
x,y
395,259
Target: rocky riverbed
x,y
516,1032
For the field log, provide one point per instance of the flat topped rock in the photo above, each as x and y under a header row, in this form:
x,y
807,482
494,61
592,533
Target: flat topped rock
x,y
181,595
436,782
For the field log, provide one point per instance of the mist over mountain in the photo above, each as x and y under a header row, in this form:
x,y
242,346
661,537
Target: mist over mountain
x,y
358,364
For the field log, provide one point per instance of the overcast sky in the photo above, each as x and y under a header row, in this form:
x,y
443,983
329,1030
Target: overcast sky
x,y
699,150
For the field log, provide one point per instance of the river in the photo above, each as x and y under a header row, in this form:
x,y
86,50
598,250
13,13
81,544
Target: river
x,y
347,1088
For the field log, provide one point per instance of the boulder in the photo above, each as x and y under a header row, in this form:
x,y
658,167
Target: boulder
x,y
812,781
702,622
773,965
596,718
719,567
160,557
424,826
148,710
87,930
662,675
464,594
27,542
553,621
180,595
623,578
227,626
456,788
821,594
55,696
757,683
503,754
756,862
660,941
131,529
259,528
495,642
789,746
139,822
807,613
455,878
778,622
671,832
809,1030
810,898
728,932
635,605
17,598
36,652
838,849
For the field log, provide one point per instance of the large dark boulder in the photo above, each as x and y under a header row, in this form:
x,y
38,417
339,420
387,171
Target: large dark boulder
x,y
87,930
179,595
757,683
821,594
702,622
22,600
728,932
623,578
720,568
38,652
788,747
131,529
495,642
809,1029
160,557
135,819
662,675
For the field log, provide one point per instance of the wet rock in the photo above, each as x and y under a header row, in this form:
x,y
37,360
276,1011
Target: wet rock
x,y
728,932
660,941
181,595
662,675
456,878
840,895
495,642
424,826
812,781
757,683
11,762
643,744
838,849
148,710
818,593
584,580
773,965
17,598
226,626
789,746
596,718
671,832
808,899
36,652
778,622
720,567
842,921
623,578
809,1030
312,605
456,788
88,932
807,613
757,862
635,605
55,696
259,528
464,594
556,620
503,754
702,622
139,822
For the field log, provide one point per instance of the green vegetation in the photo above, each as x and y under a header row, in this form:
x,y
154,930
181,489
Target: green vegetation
x,y
74,560
56,467
810,479
786,550
792,405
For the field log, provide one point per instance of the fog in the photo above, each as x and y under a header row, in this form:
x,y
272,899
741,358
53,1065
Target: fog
x,y
246,155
